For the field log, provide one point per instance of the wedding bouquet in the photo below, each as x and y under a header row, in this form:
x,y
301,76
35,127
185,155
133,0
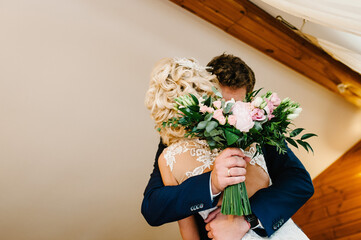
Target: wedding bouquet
x,y
261,120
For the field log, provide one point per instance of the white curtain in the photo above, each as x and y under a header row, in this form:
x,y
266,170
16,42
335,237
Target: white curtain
x,y
344,15
348,57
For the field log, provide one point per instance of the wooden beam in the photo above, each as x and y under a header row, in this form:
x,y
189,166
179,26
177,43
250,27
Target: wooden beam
x,y
250,24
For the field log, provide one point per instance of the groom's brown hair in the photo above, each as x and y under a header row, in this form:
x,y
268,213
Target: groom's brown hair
x,y
232,72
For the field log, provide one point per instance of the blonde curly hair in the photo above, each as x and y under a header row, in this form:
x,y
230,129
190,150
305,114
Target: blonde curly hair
x,y
170,79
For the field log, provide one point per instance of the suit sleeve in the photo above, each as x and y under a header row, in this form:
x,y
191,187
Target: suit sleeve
x,y
291,188
162,204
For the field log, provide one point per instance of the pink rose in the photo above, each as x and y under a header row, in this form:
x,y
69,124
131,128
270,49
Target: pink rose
x,y
218,114
258,114
242,112
210,109
275,99
269,109
222,120
203,109
217,104
232,120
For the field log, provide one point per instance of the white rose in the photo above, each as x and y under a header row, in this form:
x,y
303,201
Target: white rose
x,y
263,105
292,116
297,111
257,101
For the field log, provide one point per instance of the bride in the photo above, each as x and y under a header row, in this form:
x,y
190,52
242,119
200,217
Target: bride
x,y
187,157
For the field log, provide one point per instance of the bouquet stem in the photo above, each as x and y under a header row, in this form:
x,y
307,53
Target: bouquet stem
x,y
235,200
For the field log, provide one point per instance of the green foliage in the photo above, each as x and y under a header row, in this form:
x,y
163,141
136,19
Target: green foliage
x,y
228,108
202,125
292,142
250,96
216,92
211,125
208,101
231,137
195,99
295,132
308,135
305,145
208,117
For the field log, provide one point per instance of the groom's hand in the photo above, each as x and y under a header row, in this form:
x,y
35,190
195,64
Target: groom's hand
x,y
227,227
229,168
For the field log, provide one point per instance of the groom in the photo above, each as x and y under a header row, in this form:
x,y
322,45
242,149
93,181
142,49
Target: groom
x,y
272,207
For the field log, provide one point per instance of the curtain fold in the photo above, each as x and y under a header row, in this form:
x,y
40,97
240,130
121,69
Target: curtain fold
x,y
343,15
348,57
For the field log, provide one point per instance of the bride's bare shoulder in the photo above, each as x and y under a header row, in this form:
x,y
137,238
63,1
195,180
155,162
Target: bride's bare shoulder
x,y
167,160
170,153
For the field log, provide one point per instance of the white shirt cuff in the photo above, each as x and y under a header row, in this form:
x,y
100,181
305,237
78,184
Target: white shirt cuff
x,y
210,189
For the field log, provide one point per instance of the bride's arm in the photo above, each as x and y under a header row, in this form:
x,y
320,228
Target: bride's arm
x,y
187,226
162,204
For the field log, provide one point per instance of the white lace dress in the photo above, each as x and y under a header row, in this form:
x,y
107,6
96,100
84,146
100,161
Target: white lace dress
x,y
187,158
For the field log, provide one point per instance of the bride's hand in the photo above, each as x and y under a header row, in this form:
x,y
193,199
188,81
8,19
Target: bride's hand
x,y
227,227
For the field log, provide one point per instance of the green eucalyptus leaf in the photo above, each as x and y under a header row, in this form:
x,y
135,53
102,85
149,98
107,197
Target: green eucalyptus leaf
x,y
211,125
223,103
218,139
215,132
211,143
216,92
258,126
208,117
202,125
228,107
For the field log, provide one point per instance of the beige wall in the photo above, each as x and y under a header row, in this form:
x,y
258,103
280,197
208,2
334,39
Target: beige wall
x,y
76,142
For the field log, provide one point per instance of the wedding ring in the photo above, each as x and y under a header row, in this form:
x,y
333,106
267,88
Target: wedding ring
x,y
229,174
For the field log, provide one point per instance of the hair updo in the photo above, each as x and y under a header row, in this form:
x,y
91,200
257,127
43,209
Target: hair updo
x,y
170,79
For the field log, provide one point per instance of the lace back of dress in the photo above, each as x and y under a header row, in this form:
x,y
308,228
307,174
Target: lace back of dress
x,y
189,157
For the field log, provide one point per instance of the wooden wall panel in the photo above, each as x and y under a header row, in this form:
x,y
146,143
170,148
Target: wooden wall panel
x,y
334,212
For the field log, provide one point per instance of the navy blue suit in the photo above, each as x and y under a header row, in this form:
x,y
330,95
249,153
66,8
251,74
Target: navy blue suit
x,y
291,188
